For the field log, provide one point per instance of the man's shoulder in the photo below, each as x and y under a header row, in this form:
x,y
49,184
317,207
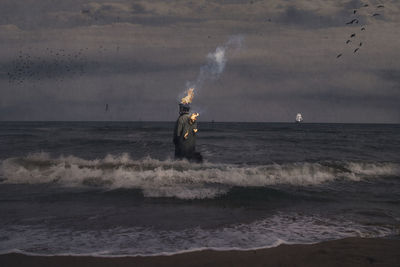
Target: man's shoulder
x,y
184,116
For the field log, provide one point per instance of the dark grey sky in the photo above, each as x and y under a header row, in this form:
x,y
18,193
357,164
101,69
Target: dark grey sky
x,y
65,60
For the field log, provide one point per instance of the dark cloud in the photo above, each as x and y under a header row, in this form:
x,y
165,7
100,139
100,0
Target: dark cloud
x,y
311,19
134,13
391,75
31,15
354,4
307,18
139,55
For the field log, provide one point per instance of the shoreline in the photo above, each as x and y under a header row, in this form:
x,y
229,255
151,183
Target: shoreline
x,y
352,251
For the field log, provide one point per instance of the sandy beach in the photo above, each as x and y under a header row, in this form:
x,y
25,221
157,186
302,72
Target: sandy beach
x,y
344,252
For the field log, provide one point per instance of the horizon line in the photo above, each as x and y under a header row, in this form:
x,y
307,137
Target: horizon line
x,y
212,121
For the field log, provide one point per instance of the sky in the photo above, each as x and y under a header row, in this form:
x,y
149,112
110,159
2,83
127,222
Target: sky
x,y
66,60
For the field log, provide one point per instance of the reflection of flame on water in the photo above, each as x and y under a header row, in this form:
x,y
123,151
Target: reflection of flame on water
x,y
188,99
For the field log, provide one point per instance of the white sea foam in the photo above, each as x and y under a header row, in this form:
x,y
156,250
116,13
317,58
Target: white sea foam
x,y
118,241
180,179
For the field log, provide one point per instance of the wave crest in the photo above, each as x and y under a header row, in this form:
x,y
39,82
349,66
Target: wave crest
x,y
180,179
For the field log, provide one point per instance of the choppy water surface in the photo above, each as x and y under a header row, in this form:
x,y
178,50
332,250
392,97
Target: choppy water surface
x,y
114,189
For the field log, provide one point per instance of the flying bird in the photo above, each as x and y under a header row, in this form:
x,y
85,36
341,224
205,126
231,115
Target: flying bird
x,y
355,50
365,5
352,21
353,35
360,44
338,56
348,41
376,14
363,28
380,6
355,11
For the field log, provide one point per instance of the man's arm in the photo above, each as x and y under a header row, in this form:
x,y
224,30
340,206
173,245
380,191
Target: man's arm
x,y
181,125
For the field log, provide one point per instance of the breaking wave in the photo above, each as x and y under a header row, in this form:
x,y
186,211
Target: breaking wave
x,y
292,228
181,179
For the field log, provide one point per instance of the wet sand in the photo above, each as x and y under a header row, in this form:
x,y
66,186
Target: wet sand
x,y
344,252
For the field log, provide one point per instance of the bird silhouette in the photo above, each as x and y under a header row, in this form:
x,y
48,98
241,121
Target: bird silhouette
x,y
355,11
348,41
380,6
363,28
352,35
376,14
355,50
352,21
338,56
360,44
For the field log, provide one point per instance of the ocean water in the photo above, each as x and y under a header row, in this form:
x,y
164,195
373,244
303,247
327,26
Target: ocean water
x,y
113,188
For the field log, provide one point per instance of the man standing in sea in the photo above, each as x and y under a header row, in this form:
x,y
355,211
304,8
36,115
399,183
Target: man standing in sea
x,y
185,132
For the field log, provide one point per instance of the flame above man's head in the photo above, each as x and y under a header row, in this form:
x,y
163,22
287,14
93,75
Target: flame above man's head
x,y
189,98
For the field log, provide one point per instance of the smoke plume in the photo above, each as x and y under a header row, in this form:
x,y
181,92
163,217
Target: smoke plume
x,y
216,62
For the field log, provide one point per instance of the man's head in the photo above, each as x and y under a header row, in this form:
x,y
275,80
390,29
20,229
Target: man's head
x,y
184,108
